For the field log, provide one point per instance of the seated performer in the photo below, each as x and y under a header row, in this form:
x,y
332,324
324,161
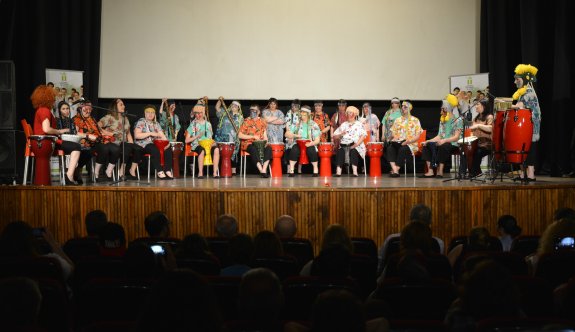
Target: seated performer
x,y
146,131
350,135
199,130
254,129
481,127
388,119
132,152
169,120
370,121
306,129
226,130
440,148
406,131
43,99
97,140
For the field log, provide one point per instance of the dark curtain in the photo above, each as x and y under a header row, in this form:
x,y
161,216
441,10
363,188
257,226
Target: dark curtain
x,y
39,34
534,32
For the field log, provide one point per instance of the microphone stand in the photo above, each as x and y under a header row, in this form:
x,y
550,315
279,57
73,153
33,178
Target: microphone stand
x,y
459,175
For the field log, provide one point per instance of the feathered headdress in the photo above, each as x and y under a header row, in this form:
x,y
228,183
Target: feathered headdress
x,y
527,72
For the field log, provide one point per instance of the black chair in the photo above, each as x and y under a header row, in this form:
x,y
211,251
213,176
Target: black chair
x,y
516,324
32,267
299,248
226,290
393,247
80,248
364,246
283,267
462,239
525,245
363,269
98,267
219,247
55,311
437,265
174,243
206,267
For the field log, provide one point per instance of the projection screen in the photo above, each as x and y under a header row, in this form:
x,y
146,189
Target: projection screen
x,y
307,49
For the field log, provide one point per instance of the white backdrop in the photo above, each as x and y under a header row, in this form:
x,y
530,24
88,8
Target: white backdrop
x,y
307,49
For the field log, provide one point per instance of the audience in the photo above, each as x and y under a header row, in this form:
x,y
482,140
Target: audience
x,y
112,240
260,297
267,245
94,222
195,246
181,301
157,225
564,212
240,251
559,229
226,226
478,240
18,240
285,226
487,291
508,230
334,235
142,263
20,302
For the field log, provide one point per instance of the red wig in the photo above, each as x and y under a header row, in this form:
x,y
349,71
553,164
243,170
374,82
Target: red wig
x,y
43,96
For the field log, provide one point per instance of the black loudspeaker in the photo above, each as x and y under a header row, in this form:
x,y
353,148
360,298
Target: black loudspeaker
x,y
7,95
12,145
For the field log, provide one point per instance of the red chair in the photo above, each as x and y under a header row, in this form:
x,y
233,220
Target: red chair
x,y
417,153
189,153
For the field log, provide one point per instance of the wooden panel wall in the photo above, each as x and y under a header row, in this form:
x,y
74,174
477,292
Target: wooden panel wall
x,y
373,213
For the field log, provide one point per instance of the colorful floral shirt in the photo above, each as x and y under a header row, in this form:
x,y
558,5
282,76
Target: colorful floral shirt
x,y
292,118
352,134
226,132
323,122
195,128
275,131
166,127
531,102
86,126
407,129
372,124
449,127
252,127
147,127
114,125
309,131
387,121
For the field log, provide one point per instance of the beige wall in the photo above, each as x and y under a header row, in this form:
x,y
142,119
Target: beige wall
x,y
307,49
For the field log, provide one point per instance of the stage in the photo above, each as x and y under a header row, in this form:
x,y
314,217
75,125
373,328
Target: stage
x,y
367,206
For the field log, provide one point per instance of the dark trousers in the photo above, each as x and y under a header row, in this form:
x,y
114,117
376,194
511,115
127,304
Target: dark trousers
x,y
255,156
106,153
353,157
154,153
476,164
532,155
444,152
397,153
132,153
295,152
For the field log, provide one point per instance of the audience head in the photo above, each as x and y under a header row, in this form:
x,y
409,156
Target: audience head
x,y
336,235
338,310
267,245
157,224
181,301
112,236
226,225
421,213
94,221
508,225
285,226
562,228
193,245
260,296
416,236
488,290
565,212
479,239
20,301
17,240
240,249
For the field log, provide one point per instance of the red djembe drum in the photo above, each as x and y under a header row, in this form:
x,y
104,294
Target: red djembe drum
x,y
226,152
517,134
161,145
303,160
374,152
177,148
42,146
469,148
325,151
277,154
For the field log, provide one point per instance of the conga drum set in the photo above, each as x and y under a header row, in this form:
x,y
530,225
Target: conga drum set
x,y
325,151
177,148
42,146
277,154
374,152
226,152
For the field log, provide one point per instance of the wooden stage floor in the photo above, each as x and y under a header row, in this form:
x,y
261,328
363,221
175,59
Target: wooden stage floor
x,y
368,207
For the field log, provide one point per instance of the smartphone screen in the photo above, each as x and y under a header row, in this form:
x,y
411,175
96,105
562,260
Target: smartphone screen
x,y
157,249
